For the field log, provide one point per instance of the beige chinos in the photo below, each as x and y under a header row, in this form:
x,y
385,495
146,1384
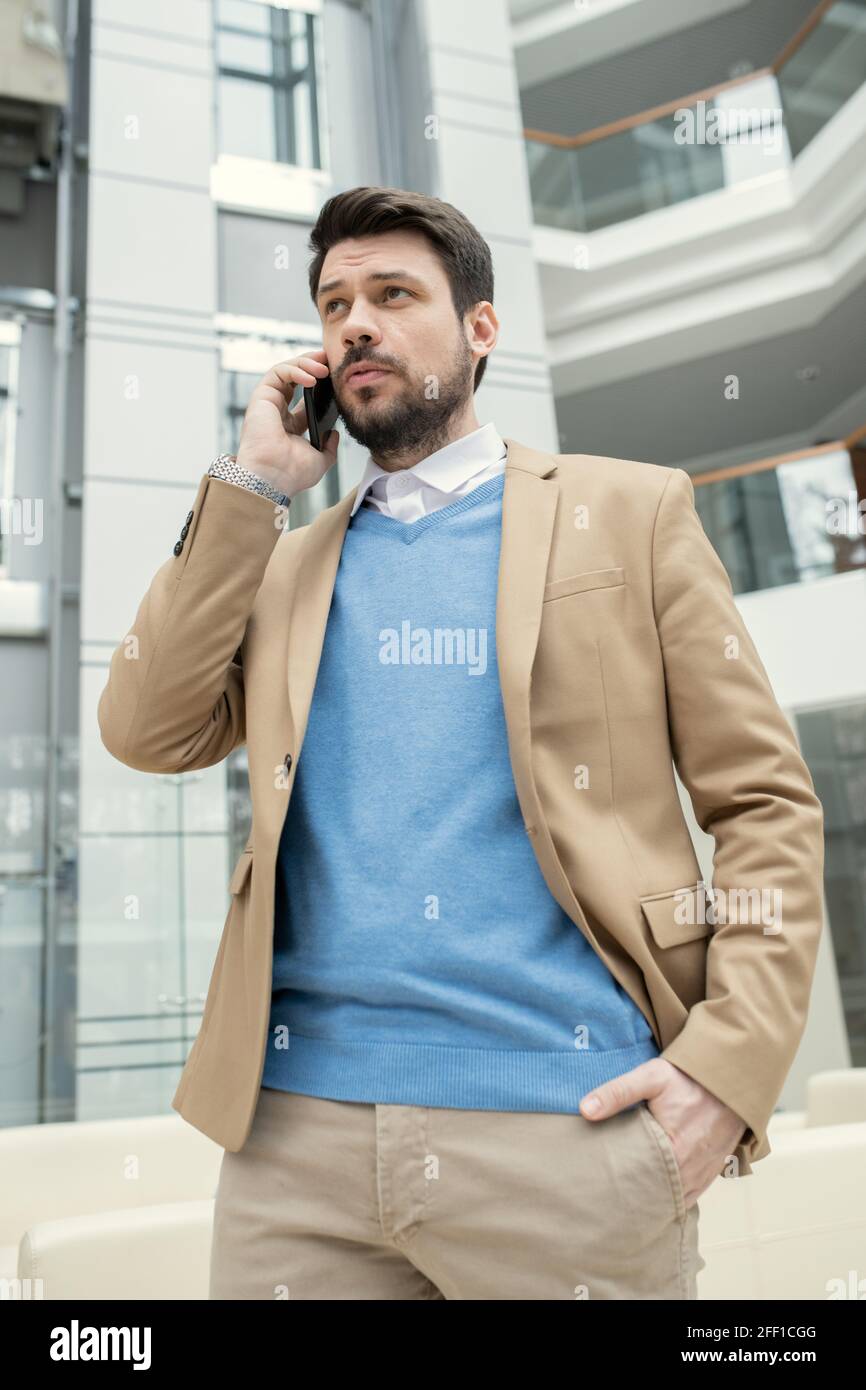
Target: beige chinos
x,y
347,1200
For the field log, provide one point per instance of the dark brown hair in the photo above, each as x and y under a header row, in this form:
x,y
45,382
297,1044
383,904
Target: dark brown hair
x,y
462,250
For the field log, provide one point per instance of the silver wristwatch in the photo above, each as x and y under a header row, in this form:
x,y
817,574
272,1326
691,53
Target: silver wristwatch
x,y
227,468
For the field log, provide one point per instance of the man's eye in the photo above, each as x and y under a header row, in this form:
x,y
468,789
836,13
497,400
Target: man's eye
x,y
400,289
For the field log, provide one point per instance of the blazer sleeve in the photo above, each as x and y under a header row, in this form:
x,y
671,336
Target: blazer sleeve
x,y
174,700
738,757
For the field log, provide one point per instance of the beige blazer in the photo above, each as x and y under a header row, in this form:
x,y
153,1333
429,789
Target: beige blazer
x,y
621,652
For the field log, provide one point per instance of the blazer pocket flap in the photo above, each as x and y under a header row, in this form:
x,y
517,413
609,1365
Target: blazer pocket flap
x,y
241,869
579,583
678,916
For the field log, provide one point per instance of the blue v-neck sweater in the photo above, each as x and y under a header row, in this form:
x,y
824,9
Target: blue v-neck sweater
x,y
419,956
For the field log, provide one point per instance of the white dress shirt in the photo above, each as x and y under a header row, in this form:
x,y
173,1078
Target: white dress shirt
x,y
433,482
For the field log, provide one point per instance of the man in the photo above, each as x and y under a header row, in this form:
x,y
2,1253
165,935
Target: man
x,y
473,1029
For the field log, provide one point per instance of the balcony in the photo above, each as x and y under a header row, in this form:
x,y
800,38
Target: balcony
x,y
706,141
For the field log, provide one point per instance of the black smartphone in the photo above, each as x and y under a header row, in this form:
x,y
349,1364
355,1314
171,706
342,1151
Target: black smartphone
x,y
322,409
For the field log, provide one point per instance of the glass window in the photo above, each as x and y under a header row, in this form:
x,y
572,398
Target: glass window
x,y
266,84
237,387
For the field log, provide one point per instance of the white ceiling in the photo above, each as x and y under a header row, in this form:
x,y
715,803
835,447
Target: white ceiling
x,y
679,415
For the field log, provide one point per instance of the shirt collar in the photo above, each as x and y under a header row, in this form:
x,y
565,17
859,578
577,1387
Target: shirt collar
x,y
448,467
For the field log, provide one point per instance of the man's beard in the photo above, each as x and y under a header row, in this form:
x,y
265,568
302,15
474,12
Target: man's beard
x,y
409,421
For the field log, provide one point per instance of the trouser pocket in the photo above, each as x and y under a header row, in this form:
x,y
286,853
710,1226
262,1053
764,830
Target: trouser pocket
x,y
665,1150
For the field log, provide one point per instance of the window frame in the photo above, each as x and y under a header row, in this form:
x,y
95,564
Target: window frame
x,y
281,83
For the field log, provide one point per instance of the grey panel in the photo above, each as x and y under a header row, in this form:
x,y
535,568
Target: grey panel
x,y
250,281
27,242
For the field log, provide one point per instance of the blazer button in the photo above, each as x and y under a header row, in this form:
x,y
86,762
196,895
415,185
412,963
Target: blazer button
x,y
287,762
178,547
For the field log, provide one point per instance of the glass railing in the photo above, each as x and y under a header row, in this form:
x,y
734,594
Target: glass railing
x,y
789,519
824,71
619,177
704,141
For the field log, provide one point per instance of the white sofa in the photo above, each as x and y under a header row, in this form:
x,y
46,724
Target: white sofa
x,y
836,1097
61,1180
794,1225
142,1253
832,1098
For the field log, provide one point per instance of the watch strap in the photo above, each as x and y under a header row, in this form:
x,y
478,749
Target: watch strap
x,y
228,470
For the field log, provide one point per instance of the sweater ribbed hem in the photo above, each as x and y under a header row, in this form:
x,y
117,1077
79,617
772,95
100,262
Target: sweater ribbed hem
x,y
460,1078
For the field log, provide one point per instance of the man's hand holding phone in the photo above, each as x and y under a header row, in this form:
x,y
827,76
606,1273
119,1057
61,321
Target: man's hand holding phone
x,y
272,443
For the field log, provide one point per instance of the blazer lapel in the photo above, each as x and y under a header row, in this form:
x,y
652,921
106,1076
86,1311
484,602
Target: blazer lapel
x,y
528,513
314,587
529,502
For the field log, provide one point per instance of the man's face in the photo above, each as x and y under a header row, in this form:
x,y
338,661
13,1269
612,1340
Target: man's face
x,y
387,299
